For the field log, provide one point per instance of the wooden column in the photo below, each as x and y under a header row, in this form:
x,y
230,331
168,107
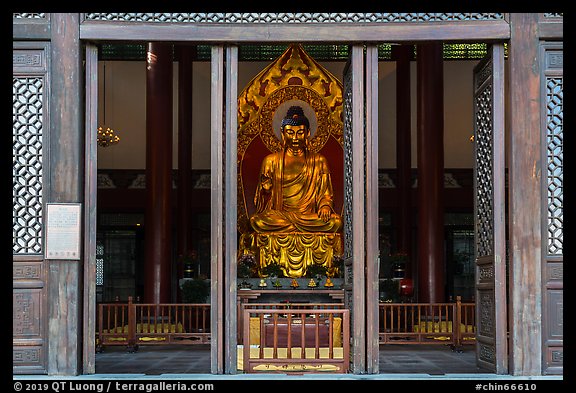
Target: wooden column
x,y
217,215
430,173
229,292
184,218
66,186
525,197
403,54
371,186
158,232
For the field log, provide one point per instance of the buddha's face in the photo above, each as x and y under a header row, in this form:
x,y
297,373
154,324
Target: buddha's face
x,y
295,136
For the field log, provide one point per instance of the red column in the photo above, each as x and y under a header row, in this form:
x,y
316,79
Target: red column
x,y
403,54
158,221
430,88
183,217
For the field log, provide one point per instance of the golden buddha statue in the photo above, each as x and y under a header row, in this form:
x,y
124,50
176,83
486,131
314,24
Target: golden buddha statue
x,y
295,221
294,193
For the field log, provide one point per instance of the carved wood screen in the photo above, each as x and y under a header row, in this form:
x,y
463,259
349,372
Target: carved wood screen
x,y
552,94
489,211
30,128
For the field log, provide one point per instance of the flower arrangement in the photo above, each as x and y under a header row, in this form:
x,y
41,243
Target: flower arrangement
x,y
315,270
337,266
272,270
246,265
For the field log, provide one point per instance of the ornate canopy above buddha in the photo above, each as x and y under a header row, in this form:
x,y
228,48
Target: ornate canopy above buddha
x,y
299,224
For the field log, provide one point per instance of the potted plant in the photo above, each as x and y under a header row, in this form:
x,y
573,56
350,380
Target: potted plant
x,y
272,270
246,269
337,268
316,271
389,290
195,290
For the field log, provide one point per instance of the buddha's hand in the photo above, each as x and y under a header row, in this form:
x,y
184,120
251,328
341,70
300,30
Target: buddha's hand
x,y
324,213
266,183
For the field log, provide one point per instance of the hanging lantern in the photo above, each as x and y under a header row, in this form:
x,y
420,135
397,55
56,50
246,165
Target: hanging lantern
x,y
106,136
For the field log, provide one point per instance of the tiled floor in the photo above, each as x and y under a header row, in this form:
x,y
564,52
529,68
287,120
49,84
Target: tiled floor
x,y
405,359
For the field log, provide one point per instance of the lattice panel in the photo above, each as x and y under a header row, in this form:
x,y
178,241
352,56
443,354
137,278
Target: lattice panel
x,y
99,263
123,51
29,16
555,153
246,17
347,104
484,180
27,120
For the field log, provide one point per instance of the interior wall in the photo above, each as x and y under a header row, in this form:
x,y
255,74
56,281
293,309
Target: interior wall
x,y
126,112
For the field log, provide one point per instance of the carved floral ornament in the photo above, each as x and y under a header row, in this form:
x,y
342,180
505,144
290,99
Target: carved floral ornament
x,y
294,76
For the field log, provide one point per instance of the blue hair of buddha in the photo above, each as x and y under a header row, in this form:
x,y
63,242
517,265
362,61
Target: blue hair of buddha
x,y
295,117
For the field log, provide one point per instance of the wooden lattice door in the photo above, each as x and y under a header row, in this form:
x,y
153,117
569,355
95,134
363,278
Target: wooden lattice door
x,y
489,212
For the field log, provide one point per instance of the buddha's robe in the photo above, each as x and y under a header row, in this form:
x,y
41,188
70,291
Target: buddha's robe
x,y
293,202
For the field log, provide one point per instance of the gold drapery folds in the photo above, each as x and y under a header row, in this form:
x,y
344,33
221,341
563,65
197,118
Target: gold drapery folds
x,y
295,252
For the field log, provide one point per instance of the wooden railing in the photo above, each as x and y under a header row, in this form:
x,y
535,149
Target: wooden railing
x,y
132,324
279,306
296,338
427,323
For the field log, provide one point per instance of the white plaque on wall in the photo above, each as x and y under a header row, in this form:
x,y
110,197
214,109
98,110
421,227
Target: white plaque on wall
x,y
63,230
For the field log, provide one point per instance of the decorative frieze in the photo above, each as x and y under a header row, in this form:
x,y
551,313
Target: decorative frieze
x,y
554,59
555,271
26,356
289,17
28,58
22,271
26,313
38,15
557,356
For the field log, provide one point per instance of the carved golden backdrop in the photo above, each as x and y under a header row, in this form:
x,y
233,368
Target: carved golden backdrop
x,y
293,76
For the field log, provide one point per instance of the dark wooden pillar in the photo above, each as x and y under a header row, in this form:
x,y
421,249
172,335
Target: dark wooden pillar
x,y
403,54
66,186
430,144
524,195
183,217
158,173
